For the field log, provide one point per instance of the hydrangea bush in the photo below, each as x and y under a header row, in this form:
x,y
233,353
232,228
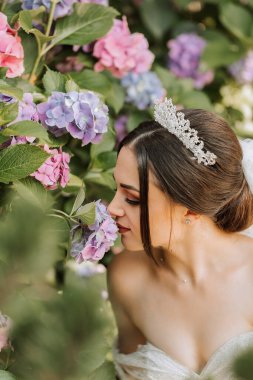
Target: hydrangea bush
x,y
75,77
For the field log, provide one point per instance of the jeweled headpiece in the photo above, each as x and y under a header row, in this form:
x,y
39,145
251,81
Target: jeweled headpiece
x,y
165,114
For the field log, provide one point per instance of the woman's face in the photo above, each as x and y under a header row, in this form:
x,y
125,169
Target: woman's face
x,y
125,207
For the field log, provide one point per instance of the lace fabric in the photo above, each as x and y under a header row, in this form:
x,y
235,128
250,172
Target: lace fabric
x,y
151,363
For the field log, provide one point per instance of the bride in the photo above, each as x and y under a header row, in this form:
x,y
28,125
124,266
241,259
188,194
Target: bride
x,y
182,288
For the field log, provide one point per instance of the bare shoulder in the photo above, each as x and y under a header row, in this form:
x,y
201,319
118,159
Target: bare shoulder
x,y
126,275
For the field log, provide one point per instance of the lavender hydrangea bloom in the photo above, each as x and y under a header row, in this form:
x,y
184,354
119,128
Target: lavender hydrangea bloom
x,y
184,58
91,242
26,111
55,115
142,89
82,114
242,70
63,7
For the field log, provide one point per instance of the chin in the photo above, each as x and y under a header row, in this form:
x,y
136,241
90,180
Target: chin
x,y
131,245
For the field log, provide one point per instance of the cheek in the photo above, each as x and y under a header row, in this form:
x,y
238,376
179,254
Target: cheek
x,y
160,225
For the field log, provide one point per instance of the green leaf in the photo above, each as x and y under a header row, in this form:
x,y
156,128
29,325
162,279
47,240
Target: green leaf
x,y
11,91
25,20
105,160
33,191
73,184
158,16
19,161
27,128
8,112
87,213
87,23
195,99
41,38
105,372
3,71
30,50
100,178
219,51
115,98
135,118
237,20
3,139
106,145
25,17
54,81
79,200
4,375
71,86
90,80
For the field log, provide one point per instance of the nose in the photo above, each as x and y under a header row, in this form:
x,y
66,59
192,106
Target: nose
x,y
114,208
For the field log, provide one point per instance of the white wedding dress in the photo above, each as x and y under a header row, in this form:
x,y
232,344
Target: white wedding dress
x,y
151,363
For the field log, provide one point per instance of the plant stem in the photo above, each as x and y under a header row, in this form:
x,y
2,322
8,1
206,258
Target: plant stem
x,y
41,51
3,5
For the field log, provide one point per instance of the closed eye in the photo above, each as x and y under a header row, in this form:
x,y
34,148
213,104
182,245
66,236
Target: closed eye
x,y
131,201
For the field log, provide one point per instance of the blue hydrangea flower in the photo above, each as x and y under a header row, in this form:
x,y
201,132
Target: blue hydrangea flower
x,y
82,114
63,7
142,89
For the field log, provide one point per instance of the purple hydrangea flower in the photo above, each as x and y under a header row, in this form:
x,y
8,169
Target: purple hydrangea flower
x,y
55,115
82,114
26,111
120,127
242,70
91,242
63,7
142,89
184,58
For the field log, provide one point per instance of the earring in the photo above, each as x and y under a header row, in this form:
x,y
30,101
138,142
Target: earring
x,y
187,221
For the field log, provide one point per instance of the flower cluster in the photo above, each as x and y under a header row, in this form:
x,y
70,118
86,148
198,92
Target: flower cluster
x,y
241,99
71,63
55,170
63,7
142,89
5,325
91,242
82,114
11,49
242,70
122,52
26,111
86,268
184,59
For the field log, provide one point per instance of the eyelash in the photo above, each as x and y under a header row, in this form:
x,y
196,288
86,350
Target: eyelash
x,y
130,201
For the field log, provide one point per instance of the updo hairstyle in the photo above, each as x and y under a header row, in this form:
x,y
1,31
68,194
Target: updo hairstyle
x,y
219,191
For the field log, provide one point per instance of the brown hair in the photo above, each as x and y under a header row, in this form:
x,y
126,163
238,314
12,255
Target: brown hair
x,y
218,191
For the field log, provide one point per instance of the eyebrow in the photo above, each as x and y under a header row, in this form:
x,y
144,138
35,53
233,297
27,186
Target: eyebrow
x,y
125,186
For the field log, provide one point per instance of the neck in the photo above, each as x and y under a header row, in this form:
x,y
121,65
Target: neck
x,y
196,253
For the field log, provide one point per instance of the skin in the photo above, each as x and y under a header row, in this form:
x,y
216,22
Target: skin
x,y
187,320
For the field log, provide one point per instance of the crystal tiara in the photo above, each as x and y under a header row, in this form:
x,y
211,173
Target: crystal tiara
x,y
165,114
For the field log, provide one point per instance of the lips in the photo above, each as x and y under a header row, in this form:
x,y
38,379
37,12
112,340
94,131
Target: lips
x,y
122,228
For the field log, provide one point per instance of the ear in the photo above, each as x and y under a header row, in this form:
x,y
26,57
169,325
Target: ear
x,y
191,214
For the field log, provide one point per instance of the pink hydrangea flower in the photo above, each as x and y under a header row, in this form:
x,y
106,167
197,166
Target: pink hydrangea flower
x,y
55,170
122,52
11,49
